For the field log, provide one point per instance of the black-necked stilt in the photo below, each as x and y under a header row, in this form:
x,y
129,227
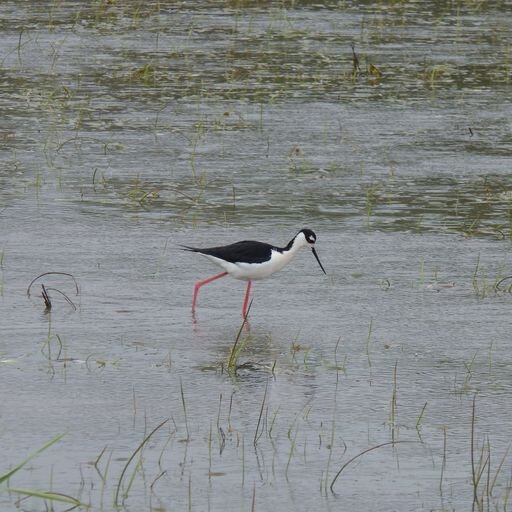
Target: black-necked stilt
x,y
249,260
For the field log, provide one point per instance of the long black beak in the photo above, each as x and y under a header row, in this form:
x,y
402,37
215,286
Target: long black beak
x,y
318,259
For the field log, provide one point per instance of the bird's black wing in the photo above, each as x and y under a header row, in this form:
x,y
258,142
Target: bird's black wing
x,y
246,251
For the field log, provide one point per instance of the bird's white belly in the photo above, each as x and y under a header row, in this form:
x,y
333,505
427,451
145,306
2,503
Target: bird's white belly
x,y
253,271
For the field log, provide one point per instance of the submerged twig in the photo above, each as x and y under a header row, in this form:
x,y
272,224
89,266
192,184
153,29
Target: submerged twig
x,y
508,288
356,69
156,479
46,296
53,273
96,462
68,300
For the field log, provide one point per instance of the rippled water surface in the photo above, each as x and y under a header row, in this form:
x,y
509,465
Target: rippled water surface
x,y
129,128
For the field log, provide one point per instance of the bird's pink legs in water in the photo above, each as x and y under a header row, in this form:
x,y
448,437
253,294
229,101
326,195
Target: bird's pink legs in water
x,y
218,276
246,300
200,283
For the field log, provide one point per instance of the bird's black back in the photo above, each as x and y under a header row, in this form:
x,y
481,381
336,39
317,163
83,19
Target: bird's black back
x,y
246,251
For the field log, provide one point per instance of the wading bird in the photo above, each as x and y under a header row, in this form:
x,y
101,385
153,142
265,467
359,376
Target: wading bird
x,y
249,260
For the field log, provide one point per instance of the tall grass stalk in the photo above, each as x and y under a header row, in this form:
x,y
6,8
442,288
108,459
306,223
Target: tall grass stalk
x,y
257,433
333,421
189,493
253,504
443,465
237,348
368,339
137,450
473,466
420,417
292,449
243,461
475,274
210,454
393,407
184,410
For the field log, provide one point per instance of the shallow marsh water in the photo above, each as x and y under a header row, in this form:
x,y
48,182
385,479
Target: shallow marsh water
x,y
130,129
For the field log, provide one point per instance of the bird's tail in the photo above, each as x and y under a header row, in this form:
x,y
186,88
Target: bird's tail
x,y
188,248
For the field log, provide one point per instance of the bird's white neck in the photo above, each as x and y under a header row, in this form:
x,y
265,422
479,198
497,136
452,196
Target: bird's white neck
x,y
295,244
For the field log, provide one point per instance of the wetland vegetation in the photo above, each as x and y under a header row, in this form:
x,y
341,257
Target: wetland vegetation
x,y
129,128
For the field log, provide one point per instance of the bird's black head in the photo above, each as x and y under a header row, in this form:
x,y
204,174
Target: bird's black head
x,y
310,239
309,236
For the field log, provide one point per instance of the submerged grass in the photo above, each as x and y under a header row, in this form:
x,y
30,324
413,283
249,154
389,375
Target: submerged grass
x,y
482,478
485,286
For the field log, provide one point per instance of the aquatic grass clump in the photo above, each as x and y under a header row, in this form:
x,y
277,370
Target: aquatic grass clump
x,y
371,71
482,480
296,348
141,193
484,286
146,74
297,162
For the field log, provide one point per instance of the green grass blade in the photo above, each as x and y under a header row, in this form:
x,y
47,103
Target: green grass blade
x,y
235,349
50,496
16,468
141,445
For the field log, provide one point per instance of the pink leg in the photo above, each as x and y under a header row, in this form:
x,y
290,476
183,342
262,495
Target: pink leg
x,y
246,300
200,283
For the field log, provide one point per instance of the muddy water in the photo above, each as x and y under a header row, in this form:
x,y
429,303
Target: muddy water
x,y
128,130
